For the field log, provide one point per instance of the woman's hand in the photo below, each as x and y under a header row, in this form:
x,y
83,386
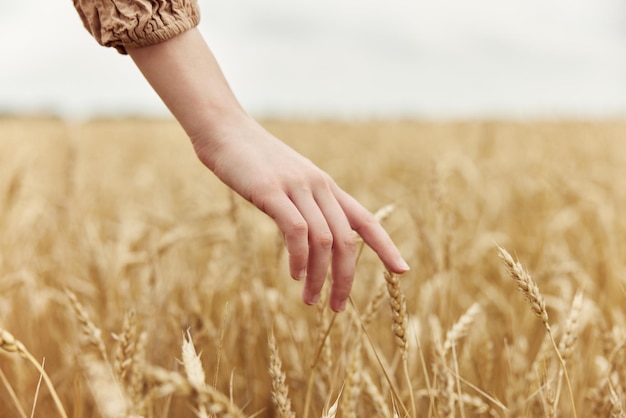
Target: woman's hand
x,y
316,217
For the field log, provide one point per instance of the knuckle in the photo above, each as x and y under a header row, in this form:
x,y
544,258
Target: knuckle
x,y
367,221
350,242
261,195
297,228
320,180
324,240
298,255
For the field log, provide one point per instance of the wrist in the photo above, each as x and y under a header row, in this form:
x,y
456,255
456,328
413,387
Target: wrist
x,y
214,130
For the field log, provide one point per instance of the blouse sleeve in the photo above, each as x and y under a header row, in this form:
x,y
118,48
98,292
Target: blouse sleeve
x,y
135,23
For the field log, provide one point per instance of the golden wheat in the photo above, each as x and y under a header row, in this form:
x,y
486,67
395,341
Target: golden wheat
x,y
460,328
153,247
398,311
527,286
280,390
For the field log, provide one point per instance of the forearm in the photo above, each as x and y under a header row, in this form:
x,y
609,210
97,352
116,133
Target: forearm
x,y
185,74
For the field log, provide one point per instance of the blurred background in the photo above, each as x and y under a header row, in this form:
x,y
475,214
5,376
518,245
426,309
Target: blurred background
x,y
343,59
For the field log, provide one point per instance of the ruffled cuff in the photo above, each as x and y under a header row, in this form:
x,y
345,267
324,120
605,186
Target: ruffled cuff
x,y
135,23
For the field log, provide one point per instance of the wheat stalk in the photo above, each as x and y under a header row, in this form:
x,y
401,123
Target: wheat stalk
x,y
316,359
443,377
384,365
9,344
568,340
373,305
352,385
530,290
399,321
12,394
486,361
382,410
324,341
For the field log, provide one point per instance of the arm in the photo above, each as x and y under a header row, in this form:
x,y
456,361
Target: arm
x,y
316,217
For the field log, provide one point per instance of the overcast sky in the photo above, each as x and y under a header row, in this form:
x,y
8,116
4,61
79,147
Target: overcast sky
x,y
343,58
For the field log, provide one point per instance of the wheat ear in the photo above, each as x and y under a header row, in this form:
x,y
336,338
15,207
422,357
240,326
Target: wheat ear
x,y
461,327
527,286
398,311
568,340
332,410
399,326
195,373
168,383
617,411
478,405
91,333
280,390
530,290
126,345
127,359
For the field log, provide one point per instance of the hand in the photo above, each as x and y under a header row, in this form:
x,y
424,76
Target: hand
x,y
316,217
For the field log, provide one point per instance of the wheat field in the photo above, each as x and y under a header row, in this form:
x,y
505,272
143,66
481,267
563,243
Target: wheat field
x,y
134,284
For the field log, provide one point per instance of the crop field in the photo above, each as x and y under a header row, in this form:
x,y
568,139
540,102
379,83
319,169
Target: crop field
x,y
134,284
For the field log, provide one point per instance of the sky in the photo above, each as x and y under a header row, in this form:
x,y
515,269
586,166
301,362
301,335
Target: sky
x,y
342,58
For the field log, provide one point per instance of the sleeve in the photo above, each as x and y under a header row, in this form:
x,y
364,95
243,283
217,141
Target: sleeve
x,y
135,23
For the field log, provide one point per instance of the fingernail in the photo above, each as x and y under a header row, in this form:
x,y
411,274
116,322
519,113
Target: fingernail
x,y
403,265
301,275
341,306
312,300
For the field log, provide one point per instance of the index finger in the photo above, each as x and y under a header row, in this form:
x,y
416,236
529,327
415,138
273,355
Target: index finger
x,y
372,232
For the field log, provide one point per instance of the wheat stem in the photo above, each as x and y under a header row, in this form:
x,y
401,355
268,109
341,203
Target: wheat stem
x,y
10,344
12,394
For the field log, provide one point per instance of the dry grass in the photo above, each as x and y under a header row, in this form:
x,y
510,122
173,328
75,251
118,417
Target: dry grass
x,y
152,291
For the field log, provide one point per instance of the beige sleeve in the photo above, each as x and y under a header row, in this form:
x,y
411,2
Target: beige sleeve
x,y
134,23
